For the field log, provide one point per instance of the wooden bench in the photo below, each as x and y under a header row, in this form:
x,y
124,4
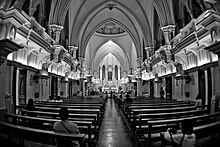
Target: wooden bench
x,y
145,118
157,126
69,105
74,111
37,135
56,115
134,106
46,123
136,112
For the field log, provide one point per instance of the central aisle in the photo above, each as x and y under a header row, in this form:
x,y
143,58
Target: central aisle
x,y
114,132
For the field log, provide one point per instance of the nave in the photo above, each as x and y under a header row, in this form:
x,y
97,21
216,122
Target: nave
x,y
114,131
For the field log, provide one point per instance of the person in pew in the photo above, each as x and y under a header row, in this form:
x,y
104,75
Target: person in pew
x,y
128,100
198,102
183,137
162,93
65,126
120,99
31,107
59,99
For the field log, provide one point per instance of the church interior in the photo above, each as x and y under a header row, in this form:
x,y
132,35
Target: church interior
x,y
91,55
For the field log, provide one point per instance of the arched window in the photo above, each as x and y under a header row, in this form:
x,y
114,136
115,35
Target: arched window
x,y
120,73
103,72
99,72
116,72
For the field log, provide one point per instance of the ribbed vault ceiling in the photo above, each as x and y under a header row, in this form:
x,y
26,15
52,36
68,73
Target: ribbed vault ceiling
x,y
133,16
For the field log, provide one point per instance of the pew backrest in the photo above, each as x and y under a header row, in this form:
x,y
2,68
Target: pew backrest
x,y
21,133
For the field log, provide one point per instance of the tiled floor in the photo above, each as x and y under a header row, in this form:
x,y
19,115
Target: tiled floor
x,y
114,132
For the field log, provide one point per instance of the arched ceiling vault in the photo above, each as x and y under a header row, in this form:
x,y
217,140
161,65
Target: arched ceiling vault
x,y
95,23
96,61
134,16
102,44
138,21
87,8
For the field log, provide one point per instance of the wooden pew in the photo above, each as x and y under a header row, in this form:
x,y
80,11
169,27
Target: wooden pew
x,y
159,106
154,102
136,112
128,111
138,109
83,104
37,135
46,123
72,109
145,118
56,115
157,126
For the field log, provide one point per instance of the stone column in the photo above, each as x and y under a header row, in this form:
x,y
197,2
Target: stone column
x,y
82,62
157,86
139,62
148,51
56,30
139,87
167,31
82,75
95,74
73,50
125,74
6,47
130,71
139,81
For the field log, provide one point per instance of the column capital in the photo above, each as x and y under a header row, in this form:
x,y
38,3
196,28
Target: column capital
x,y
149,48
55,27
73,48
168,28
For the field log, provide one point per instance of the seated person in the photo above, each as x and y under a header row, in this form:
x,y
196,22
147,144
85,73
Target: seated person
x,y
198,102
183,137
65,126
128,100
30,105
59,99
